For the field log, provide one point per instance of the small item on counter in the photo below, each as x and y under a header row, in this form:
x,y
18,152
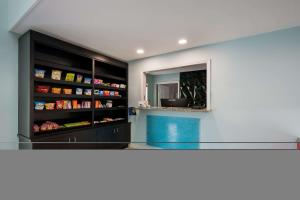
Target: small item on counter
x,y
123,86
56,74
78,91
112,93
75,104
36,128
40,73
88,92
48,126
117,93
101,93
39,105
87,80
55,90
86,104
67,91
70,77
59,105
50,106
115,85
96,92
98,81
79,78
67,105
106,93
109,104
42,89
78,106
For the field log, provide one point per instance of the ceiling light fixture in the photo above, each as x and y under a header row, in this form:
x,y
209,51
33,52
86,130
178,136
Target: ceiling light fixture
x,y
182,41
140,51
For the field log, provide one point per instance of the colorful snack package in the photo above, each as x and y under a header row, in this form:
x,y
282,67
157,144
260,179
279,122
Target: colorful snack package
x,y
88,92
50,106
67,91
79,91
42,89
87,80
70,77
59,105
55,90
79,78
75,104
39,105
56,75
40,73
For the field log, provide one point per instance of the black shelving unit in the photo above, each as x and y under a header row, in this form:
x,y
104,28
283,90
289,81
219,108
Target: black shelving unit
x,y
39,51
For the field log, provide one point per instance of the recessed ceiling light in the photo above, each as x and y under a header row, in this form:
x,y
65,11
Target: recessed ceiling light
x,y
140,51
182,41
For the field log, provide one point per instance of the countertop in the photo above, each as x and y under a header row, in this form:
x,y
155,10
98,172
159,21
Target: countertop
x,y
173,109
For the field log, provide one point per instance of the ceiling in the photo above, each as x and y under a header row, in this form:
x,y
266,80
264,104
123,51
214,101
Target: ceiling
x,y
119,27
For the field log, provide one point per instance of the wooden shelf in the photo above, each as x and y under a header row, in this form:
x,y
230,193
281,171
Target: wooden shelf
x,y
109,109
61,82
110,97
62,96
60,131
40,61
109,88
112,77
110,123
64,111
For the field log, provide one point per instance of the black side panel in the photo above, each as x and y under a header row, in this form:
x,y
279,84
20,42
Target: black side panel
x,y
24,86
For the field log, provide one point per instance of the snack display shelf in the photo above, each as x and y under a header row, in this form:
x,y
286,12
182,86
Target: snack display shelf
x,y
109,123
60,131
108,88
109,97
62,96
43,62
61,82
112,77
63,111
113,108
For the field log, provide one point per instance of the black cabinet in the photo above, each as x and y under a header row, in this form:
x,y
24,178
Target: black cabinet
x,y
118,135
94,124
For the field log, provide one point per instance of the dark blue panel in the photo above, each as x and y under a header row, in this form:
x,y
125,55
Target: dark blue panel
x,y
173,132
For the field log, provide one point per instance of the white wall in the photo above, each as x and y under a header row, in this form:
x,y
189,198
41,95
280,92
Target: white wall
x,y
255,88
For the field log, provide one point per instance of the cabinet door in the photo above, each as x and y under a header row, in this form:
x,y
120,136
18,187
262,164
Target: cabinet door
x,y
76,140
122,133
84,139
84,136
53,142
115,137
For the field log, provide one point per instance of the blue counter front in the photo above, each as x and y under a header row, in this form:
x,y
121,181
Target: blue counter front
x,y
168,132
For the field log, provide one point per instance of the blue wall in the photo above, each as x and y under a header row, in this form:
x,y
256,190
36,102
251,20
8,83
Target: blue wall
x,y
8,82
255,88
